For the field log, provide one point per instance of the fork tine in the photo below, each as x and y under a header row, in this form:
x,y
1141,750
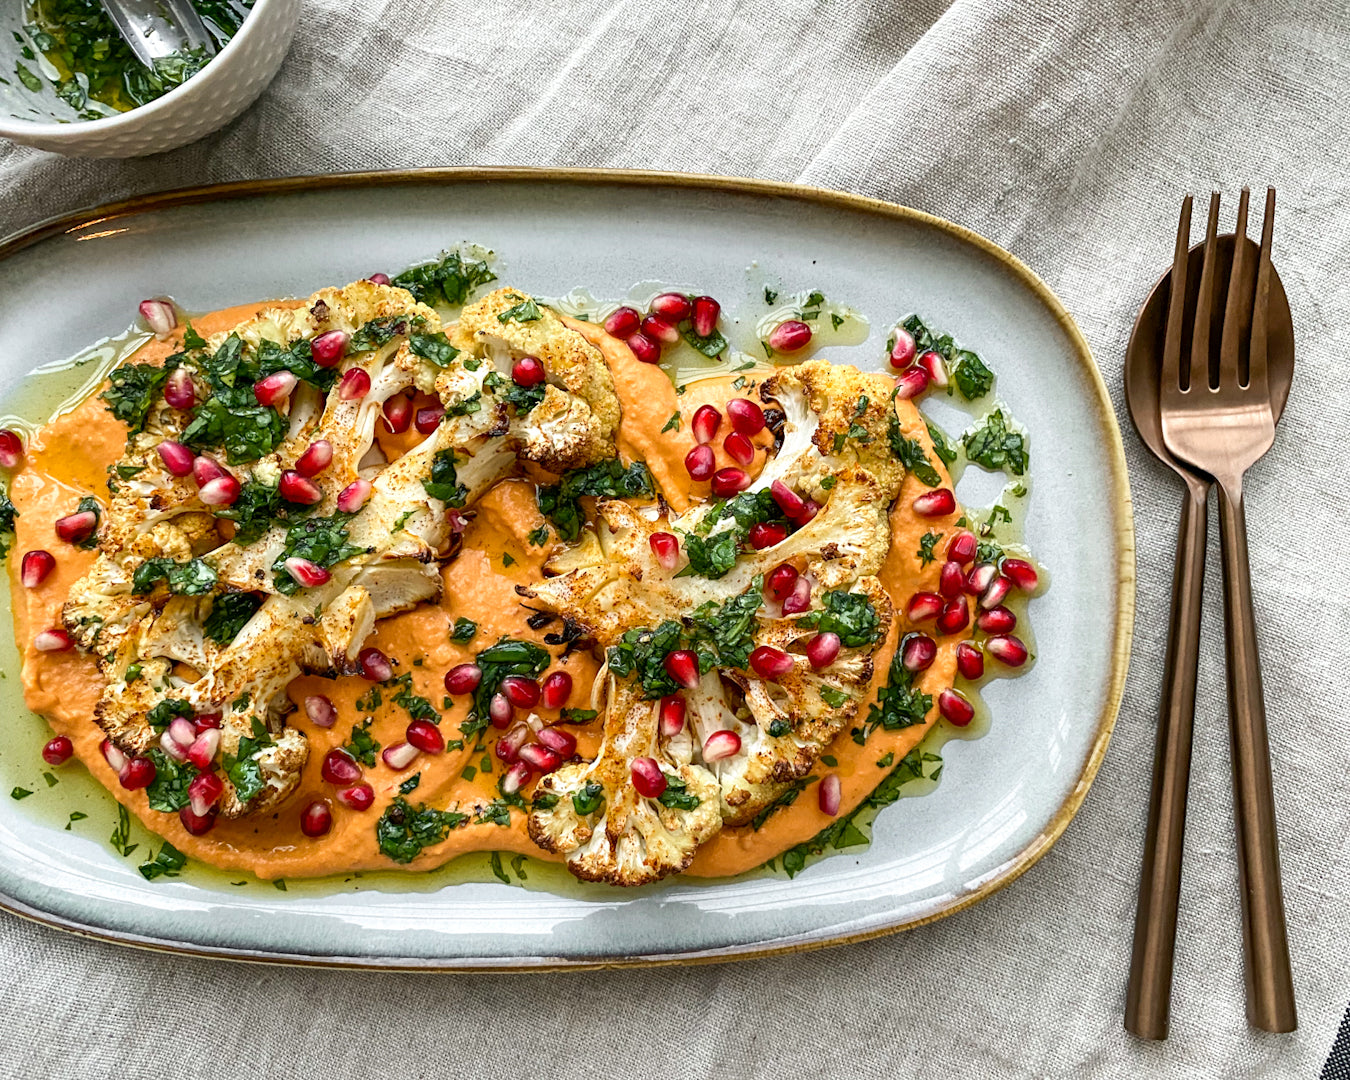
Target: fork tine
x,y
1204,304
1257,364
1176,306
1237,309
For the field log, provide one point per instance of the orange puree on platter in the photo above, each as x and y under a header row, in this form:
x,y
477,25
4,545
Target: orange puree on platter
x,y
67,460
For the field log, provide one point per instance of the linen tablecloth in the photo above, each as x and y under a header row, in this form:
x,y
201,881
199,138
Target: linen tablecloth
x,y
1067,132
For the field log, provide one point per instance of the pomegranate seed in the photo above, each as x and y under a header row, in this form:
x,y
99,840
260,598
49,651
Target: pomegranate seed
x,y
673,307
375,666
955,616
766,534
137,773
457,521
997,620
11,448
179,393
682,666
397,414
112,755
528,371
745,416
969,660
935,503
182,731
720,745
177,458
658,329
902,348
980,578
700,462
308,575
203,749
428,419
673,710
997,592
354,384
508,746
789,336
273,388
222,491
648,779
911,383
317,457
954,708
809,510
540,758
799,599
159,316
327,349
204,792
623,322
831,794
645,349
357,797
666,547
729,481
398,756
1007,649
781,581
205,469
706,311
770,663
171,748
924,606
426,736
463,679
35,567
520,691
378,279
705,424
962,546
917,652
932,365
196,824
560,742
53,640
1021,573
316,818
500,711
297,488
517,776
822,650
740,449
792,504
556,689
58,751
76,528
205,720
340,768
354,496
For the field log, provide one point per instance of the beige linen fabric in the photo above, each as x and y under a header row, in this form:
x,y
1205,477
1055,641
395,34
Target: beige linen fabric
x,y
1064,131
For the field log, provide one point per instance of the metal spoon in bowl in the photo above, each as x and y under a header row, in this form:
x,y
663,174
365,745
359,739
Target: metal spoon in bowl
x,y
1149,996
159,29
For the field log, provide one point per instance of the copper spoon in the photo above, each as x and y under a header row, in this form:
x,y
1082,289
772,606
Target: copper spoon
x,y
1148,998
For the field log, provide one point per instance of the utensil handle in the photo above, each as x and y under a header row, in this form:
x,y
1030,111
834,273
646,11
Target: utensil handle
x,y
1270,982
1148,996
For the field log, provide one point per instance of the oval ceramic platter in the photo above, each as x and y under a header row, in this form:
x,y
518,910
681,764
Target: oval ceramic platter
x,y
1002,799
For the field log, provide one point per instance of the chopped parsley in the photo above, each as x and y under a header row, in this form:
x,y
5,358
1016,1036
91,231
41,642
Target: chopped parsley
x,y
898,704
380,332
941,447
522,398
577,716
443,483
416,706
588,800
121,834
836,699
168,791
470,405
560,502
728,628
463,631
968,372
434,347
507,657
167,863
363,746
785,798
403,831
712,554
8,513
447,282
19,793
166,711
910,453
525,311
995,446
673,424
770,296
410,785
926,546
848,614
242,766
712,346
677,795
192,578
537,537
134,390
323,541
642,652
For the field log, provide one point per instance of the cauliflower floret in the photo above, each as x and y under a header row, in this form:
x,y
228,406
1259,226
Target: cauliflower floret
x,y
592,814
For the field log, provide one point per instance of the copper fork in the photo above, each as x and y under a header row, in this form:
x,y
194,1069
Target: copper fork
x,y
1221,422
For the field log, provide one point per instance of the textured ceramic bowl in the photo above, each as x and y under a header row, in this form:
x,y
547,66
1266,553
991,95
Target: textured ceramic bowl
x,y
208,101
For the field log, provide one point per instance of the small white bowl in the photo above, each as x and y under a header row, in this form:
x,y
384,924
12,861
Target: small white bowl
x,y
207,101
